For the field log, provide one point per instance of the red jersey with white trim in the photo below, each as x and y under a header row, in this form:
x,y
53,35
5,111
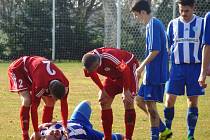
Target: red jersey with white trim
x,y
115,64
41,72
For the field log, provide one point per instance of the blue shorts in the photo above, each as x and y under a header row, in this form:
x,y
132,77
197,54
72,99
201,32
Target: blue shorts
x,y
152,92
184,76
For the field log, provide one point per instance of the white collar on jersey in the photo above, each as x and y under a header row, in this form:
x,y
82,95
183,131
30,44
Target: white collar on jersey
x,y
182,20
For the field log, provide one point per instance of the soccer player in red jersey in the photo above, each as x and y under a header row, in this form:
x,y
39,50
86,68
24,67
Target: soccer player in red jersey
x,y
36,78
118,66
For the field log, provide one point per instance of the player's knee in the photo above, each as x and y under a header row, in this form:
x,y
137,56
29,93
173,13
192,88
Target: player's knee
x,y
170,101
26,101
192,101
153,113
128,105
105,105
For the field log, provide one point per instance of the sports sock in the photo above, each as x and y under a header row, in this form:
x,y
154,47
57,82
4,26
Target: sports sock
x,y
162,126
154,133
192,117
107,120
169,116
24,121
130,119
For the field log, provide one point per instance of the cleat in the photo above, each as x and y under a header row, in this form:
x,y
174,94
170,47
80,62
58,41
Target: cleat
x,y
190,138
166,134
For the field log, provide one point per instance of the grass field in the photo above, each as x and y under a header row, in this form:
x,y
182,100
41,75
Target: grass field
x,y
82,88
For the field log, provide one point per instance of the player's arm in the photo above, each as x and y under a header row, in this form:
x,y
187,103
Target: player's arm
x,y
34,114
126,74
94,76
205,52
205,59
154,48
170,34
64,110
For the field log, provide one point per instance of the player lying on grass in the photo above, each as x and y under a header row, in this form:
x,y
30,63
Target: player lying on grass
x,y
36,78
79,127
118,66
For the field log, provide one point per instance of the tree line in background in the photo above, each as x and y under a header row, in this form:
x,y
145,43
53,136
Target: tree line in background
x,y
26,27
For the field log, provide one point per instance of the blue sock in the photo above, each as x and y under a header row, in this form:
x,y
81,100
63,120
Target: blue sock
x,y
162,126
169,116
154,133
192,117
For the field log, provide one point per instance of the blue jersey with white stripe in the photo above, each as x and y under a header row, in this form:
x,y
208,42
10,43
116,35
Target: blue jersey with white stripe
x,y
75,130
156,72
206,34
185,40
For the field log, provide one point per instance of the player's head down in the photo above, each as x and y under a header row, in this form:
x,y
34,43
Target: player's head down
x,y
91,61
57,89
141,9
186,9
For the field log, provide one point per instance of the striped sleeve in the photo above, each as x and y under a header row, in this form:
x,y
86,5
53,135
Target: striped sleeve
x,y
154,36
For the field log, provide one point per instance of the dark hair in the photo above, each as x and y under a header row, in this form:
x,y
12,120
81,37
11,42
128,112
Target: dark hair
x,y
88,59
57,89
142,5
186,2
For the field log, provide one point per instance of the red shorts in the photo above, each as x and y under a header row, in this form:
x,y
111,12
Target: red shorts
x,y
18,77
114,87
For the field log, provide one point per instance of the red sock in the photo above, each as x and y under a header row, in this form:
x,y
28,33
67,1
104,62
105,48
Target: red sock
x,y
47,114
130,119
24,121
107,120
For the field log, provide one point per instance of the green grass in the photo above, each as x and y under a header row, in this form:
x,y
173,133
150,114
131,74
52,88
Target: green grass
x,y
82,88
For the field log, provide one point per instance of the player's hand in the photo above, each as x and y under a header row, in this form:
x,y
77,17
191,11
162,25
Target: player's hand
x,y
202,80
127,97
103,96
65,132
139,71
37,136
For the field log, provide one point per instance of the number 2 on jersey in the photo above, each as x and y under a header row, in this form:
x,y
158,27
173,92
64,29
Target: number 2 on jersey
x,y
49,70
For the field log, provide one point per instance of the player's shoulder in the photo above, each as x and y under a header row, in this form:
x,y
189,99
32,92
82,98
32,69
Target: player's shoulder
x,y
207,16
173,21
156,23
199,18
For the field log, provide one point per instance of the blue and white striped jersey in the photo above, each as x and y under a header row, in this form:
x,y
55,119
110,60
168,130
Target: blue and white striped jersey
x,y
185,40
156,72
75,130
206,34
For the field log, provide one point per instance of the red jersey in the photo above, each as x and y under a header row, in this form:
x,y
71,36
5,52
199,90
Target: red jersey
x,y
115,64
41,72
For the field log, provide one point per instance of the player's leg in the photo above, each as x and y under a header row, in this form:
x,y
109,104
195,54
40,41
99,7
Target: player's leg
x,y
174,87
47,114
192,115
130,119
96,135
154,119
82,114
141,104
169,109
24,113
19,83
193,92
111,89
106,116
